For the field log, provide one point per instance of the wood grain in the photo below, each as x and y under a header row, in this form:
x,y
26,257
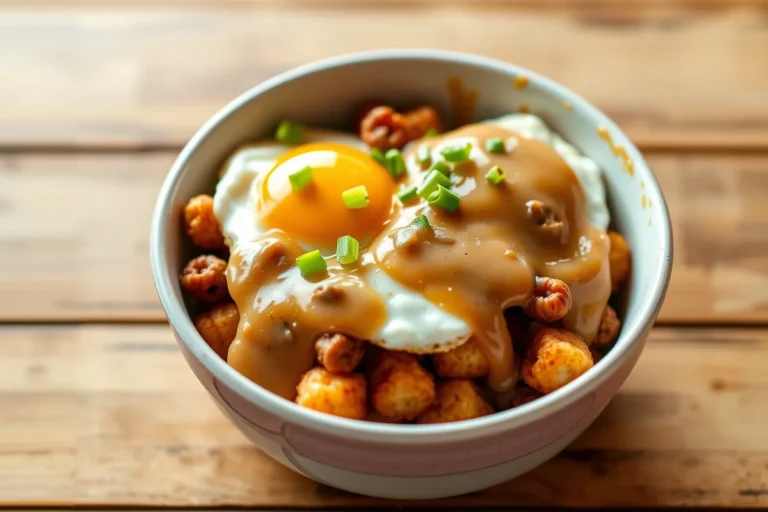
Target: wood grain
x,y
140,76
81,252
96,415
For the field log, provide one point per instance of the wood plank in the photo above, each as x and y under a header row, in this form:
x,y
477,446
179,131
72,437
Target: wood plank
x,y
75,236
161,73
111,415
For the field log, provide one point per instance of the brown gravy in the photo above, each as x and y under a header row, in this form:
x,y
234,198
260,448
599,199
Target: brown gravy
x,y
475,263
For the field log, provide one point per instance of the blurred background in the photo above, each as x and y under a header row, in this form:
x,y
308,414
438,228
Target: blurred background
x,y
96,100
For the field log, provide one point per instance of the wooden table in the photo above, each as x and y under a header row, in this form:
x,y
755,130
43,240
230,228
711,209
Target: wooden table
x,y
97,407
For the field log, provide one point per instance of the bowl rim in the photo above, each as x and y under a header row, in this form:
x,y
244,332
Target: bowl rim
x,y
631,335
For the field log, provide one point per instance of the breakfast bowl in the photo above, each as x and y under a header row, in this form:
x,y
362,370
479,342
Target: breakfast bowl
x,y
425,460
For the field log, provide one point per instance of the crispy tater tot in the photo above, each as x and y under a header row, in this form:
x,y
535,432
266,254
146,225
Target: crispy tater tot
x,y
608,330
551,300
464,362
340,395
619,258
556,357
205,278
420,120
339,353
401,388
456,400
218,326
201,224
384,129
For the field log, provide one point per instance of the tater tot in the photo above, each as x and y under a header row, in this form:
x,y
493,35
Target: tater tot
x,y
218,326
201,224
608,330
620,260
340,395
205,278
551,300
464,362
339,353
556,357
456,400
401,388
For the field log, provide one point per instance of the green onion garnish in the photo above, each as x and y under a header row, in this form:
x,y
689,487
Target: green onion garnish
x,y
311,263
355,197
433,179
301,178
395,163
432,133
495,145
457,153
443,167
421,222
347,249
289,132
424,156
495,175
377,155
406,194
445,199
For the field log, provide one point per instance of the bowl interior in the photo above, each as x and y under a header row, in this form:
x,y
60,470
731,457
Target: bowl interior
x,y
326,94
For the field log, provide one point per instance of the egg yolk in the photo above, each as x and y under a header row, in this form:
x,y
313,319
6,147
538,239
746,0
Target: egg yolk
x,y
316,213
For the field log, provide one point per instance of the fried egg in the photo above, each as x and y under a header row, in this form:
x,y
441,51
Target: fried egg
x,y
254,196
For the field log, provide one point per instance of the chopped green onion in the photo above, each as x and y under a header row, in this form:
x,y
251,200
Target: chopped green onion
x,y
457,153
395,163
421,222
347,249
424,156
355,197
377,155
289,132
443,167
311,263
433,179
495,145
432,133
445,199
301,178
407,194
495,175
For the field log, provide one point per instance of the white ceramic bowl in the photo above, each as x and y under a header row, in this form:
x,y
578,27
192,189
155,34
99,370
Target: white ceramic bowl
x,y
414,461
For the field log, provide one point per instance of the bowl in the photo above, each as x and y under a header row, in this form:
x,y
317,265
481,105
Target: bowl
x,y
416,461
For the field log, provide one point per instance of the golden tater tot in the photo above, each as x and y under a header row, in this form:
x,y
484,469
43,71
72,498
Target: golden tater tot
x,y
556,357
205,278
551,300
619,258
201,224
339,353
464,362
608,330
456,400
340,395
401,388
218,326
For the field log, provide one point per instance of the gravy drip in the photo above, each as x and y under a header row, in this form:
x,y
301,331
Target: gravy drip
x,y
474,264
497,249
282,313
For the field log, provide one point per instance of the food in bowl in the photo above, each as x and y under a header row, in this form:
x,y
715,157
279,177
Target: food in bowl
x,y
406,275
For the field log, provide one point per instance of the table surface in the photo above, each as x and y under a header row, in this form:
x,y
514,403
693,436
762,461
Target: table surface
x,y
97,407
